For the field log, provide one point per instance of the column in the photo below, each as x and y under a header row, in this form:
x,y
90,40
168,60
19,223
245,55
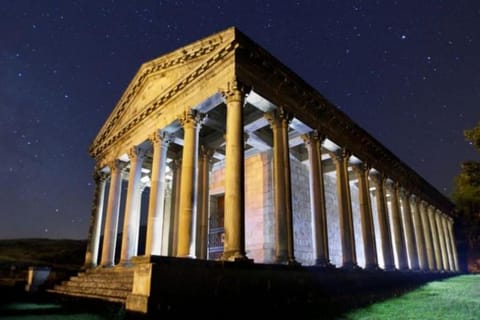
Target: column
x,y
234,219
187,209
362,172
397,228
91,256
131,222
143,185
410,239
447,243
157,194
111,219
176,166
435,239
340,158
454,247
419,236
313,142
279,190
378,181
441,239
285,118
204,167
432,266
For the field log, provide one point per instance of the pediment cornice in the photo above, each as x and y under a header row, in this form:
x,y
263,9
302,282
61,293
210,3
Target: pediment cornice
x,y
213,49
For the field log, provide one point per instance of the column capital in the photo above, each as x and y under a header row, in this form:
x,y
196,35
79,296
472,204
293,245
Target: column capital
x,y
312,136
116,164
235,91
277,117
391,185
205,152
377,177
100,176
160,136
415,198
423,204
190,118
404,193
174,164
340,154
136,153
360,168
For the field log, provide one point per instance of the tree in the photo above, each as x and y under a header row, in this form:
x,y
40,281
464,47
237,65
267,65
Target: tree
x,y
466,196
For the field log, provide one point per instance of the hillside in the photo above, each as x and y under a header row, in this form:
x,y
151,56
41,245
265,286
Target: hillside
x,y
46,252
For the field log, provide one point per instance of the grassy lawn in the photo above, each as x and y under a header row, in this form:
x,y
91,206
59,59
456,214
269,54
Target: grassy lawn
x,y
454,298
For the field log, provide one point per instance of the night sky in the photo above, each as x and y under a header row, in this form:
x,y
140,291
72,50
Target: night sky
x,y
406,71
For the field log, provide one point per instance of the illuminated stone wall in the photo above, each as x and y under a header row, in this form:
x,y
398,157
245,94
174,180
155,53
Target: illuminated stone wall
x,y
259,210
302,221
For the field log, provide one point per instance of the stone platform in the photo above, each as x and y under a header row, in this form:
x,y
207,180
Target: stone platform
x,y
166,285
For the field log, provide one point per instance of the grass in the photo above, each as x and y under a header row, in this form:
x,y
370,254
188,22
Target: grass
x,y
454,298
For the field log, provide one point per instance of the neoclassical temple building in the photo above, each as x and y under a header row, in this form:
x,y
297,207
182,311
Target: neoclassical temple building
x,y
226,154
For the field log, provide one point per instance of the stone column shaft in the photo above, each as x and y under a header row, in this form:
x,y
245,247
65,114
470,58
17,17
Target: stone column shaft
x,y
409,232
383,222
435,240
288,190
176,166
234,219
368,233
340,158
397,229
157,195
187,209
441,238
317,200
204,166
447,244
419,236
131,223
428,237
279,192
91,256
453,246
111,219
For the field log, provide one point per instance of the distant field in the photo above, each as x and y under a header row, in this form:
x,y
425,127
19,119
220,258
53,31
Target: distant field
x,y
56,253
451,299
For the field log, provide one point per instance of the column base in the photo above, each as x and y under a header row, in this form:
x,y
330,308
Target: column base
x,y
107,265
323,263
389,268
372,267
125,263
350,266
293,263
235,257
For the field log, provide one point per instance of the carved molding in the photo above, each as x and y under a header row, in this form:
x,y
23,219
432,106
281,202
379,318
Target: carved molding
x,y
136,154
105,140
190,118
235,92
160,136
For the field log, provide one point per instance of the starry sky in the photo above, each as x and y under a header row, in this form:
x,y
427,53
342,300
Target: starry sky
x,y
406,71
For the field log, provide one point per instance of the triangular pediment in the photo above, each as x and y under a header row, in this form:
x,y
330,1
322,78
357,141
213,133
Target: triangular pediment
x,y
153,87
158,78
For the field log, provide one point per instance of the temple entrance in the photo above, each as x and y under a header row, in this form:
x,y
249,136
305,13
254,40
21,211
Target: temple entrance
x,y
216,229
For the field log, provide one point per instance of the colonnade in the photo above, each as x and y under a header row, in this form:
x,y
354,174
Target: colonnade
x,y
413,234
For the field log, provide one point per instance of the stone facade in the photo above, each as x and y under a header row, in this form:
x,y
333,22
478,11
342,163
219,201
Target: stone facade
x,y
263,168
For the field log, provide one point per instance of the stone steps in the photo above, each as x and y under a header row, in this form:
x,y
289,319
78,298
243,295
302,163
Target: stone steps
x,y
110,284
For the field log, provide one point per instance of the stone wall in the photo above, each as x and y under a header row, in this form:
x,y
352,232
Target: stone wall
x,y
302,218
259,210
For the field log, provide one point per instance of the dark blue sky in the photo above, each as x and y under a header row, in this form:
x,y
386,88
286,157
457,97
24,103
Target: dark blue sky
x,y
406,71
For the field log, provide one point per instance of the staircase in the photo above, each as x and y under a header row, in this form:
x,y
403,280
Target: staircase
x,y
110,284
